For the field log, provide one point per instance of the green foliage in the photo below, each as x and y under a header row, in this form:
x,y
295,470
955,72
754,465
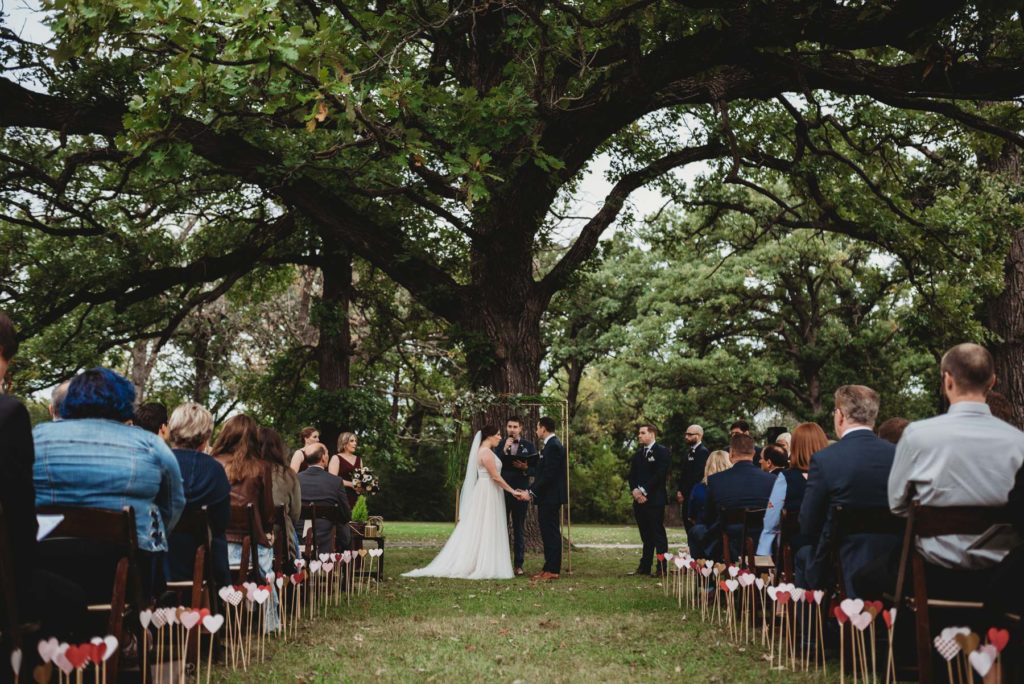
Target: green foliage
x,y
359,512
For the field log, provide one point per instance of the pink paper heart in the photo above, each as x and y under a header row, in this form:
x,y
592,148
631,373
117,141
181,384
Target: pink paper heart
x,y
47,649
190,619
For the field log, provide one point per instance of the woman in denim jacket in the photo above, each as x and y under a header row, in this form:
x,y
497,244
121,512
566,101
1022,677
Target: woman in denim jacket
x,y
93,458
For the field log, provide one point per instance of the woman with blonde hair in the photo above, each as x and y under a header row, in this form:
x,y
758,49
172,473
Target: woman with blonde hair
x,y
346,462
788,492
695,511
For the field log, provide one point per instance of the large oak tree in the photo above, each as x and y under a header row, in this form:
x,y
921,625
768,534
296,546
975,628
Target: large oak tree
x,y
441,142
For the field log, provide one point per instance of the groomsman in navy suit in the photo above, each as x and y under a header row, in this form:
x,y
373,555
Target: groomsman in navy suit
x,y
515,452
647,475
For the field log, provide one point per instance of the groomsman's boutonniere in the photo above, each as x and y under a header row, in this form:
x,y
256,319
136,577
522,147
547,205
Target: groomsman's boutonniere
x,y
650,457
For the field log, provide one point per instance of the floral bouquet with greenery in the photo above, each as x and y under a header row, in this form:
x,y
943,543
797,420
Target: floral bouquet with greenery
x,y
365,481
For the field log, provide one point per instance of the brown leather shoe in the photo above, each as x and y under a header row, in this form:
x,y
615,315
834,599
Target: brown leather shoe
x,y
547,576
518,572
536,575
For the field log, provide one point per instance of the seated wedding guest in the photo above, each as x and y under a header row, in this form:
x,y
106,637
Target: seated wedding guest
x,y
790,485
696,510
152,417
344,463
319,486
189,429
892,429
967,457
774,459
56,397
785,440
95,458
744,485
41,596
851,473
742,427
1005,592
310,437
285,483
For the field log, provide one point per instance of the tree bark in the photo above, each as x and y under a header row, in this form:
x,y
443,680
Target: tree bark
x,y
1005,312
334,349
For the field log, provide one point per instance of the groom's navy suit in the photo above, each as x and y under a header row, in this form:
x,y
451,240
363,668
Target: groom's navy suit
x,y
648,473
516,479
550,491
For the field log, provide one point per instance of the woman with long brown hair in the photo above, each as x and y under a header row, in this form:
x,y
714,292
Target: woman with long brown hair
x,y
285,483
310,437
346,462
788,493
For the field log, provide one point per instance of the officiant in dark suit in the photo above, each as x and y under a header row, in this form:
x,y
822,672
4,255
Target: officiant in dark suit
x,y
647,477
516,455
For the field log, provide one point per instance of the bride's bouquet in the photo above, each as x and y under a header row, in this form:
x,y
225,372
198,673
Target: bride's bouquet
x,y
365,481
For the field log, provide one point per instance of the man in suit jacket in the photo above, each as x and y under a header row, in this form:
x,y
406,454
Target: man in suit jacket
x,y
320,487
744,485
742,427
550,491
852,473
647,475
691,469
514,452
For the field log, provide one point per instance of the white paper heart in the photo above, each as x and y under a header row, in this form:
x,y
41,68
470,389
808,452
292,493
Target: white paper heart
x,y
733,571
861,621
705,571
112,643
146,617
852,607
260,596
679,562
709,564
62,662
96,641
190,619
314,566
947,648
213,623
299,564
171,616
772,591
786,586
235,597
324,557
759,583
224,593
16,660
746,579
798,595
732,584
158,619
981,660
328,567
47,649
818,596
949,633
279,582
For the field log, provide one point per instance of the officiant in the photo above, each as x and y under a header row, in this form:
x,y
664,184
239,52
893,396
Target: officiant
x,y
517,455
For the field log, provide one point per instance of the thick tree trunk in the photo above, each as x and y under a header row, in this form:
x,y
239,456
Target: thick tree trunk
x,y
1005,312
334,349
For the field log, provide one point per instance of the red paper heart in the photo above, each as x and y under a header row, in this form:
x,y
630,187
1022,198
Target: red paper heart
x,y
877,605
203,612
298,577
97,652
78,655
840,615
782,597
723,585
998,638
887,618
661,556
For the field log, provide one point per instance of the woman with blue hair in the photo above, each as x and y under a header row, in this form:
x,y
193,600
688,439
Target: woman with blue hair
x,y
95,458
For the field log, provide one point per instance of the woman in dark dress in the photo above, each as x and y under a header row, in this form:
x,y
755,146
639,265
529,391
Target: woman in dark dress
x,y
346,462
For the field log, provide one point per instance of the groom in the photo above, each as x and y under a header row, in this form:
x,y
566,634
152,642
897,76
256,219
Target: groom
x,y
549,492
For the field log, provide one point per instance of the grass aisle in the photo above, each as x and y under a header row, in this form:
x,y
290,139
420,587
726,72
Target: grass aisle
x,y
596,626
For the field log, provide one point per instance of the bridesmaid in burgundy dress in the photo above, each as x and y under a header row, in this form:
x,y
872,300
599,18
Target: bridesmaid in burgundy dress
x,y
346,462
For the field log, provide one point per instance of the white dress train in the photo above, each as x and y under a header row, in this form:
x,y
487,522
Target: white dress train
x,y
478,548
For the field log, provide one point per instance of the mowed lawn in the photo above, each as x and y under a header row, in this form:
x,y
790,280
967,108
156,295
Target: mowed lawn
x,y
594,626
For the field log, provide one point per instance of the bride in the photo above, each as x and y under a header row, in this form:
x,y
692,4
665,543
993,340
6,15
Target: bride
x,y
478,548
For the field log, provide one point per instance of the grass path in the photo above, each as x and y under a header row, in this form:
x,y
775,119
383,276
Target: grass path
x,y
596,626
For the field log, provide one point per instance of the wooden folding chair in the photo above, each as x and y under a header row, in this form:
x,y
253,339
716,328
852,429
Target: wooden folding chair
x,y
748,519
789,529
113,532
932,521
319,511
202,587
281,555
848,521
248,568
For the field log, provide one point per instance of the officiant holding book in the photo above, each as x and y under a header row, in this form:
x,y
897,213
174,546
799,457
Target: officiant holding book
x,y
518,456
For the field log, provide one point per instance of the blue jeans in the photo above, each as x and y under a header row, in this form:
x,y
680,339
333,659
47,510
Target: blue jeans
x,y
272,620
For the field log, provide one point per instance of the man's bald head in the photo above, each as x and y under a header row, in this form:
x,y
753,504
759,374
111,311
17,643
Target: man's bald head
x,y
971,369
694,435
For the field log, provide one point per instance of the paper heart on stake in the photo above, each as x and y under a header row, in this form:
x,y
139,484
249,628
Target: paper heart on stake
x,y
47,649
706,572
773,592
840,615
159,620
324,557
213,623
947,648
235,598
998,638
42,673
314,567
146,616
818,596
362,553
889,617
111,642
260,596
759,582
731,585
968,642
983,658
78,655
16,660
949,634
62,662
852,607
798,594
783,597
862,621
709,564
297,577
874,607
679,562
299,564
733,571
280,582
722,585
328,567
224,593
190,619
171,616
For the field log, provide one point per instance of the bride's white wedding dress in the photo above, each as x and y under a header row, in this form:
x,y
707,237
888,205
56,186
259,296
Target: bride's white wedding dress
x,y
478,548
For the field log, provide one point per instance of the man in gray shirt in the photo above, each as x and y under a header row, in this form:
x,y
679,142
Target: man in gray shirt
x,y
966,457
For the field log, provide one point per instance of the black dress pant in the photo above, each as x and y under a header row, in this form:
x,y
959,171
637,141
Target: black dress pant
x,y
650,519
517,509
551,536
